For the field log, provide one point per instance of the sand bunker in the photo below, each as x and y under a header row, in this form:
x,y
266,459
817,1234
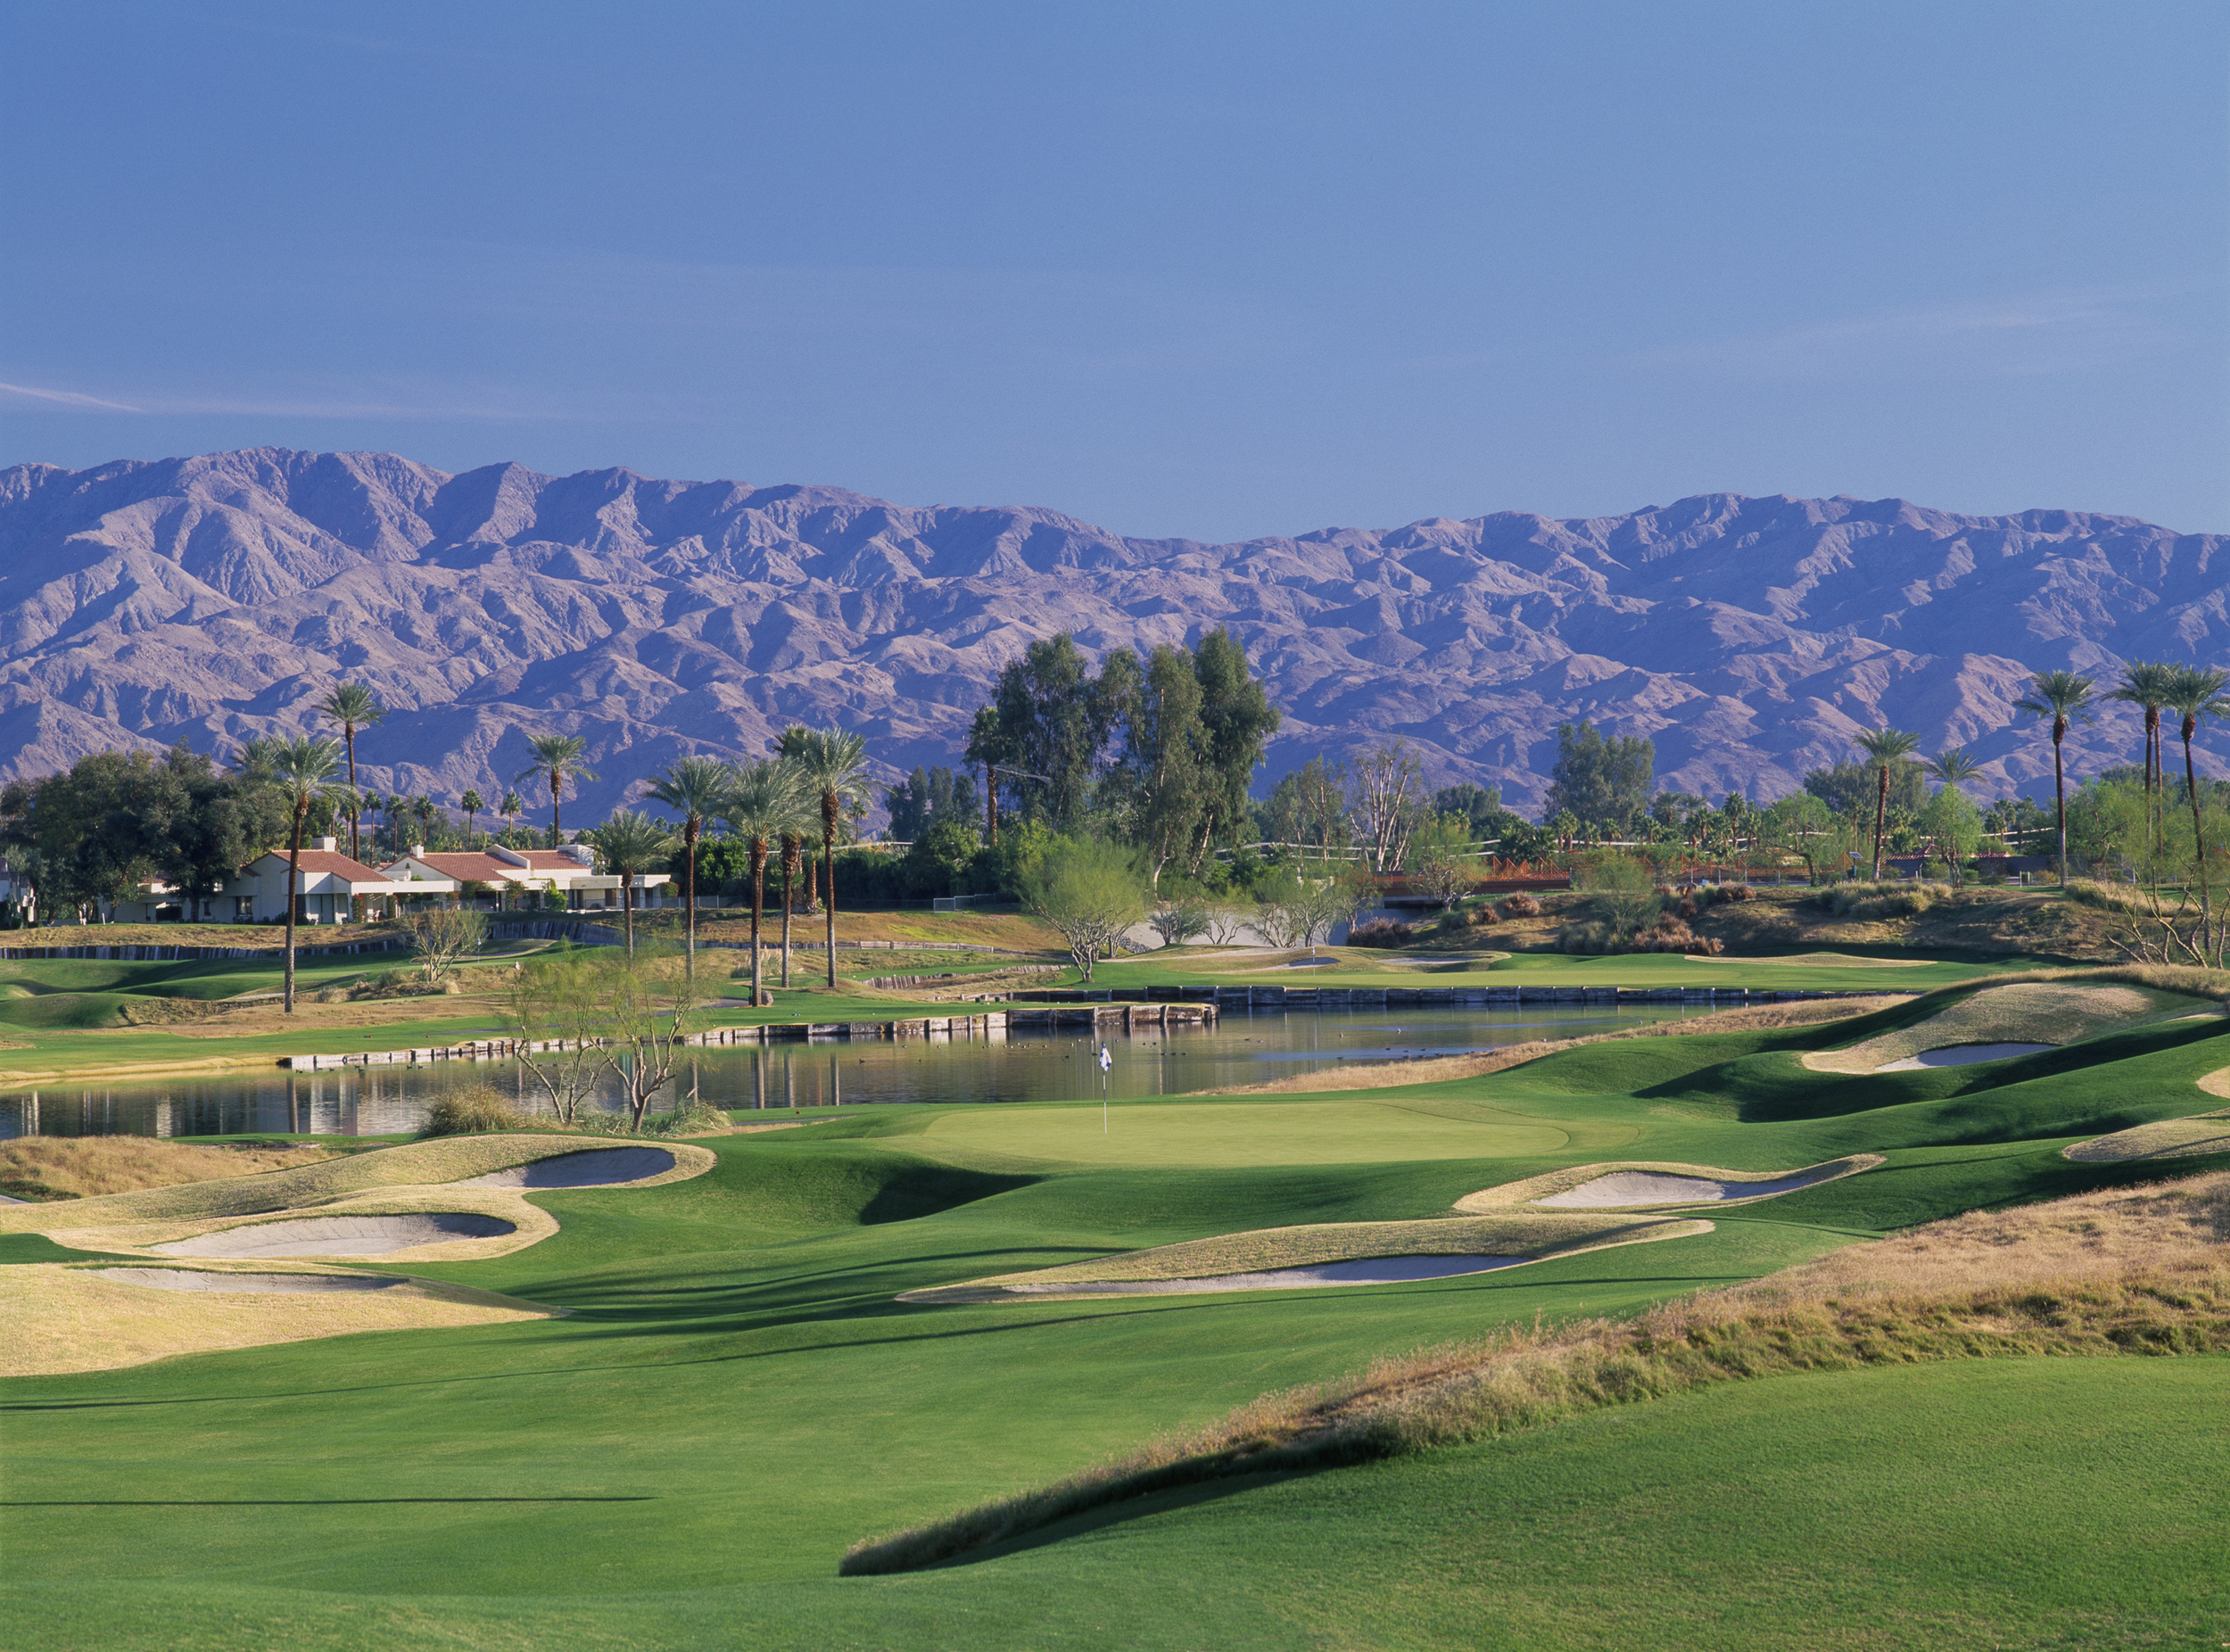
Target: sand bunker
x,y
2016,1020
340,1236
1960,1055
202,1279
1634,1185
1622,1188
605,1167
2166,1138
1370,1270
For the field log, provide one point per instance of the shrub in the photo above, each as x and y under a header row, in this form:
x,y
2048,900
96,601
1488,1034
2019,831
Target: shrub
x,y
1866,901
1519,905
474,1111
691,1118
1381,932
2108,896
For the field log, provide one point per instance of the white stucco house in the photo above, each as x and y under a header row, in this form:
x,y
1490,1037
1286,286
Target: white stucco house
x,y
509,878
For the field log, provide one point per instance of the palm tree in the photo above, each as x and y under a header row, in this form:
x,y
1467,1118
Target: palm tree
x,y
763,803
630,842
303,770
556,759
1884,747
2196,692
353,706
830,766
2065,697
2148,683
510,807
472,805
694,788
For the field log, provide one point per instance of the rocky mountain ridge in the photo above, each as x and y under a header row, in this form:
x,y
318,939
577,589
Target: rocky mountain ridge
x,y
216,597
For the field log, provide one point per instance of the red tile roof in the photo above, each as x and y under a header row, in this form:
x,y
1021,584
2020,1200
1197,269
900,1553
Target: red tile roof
x,y
471,866
331,863
550,860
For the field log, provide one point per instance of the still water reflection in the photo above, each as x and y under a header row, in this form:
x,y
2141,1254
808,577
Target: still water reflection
x,y
1023,1065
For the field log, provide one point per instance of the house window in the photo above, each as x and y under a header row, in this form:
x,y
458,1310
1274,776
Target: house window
x,y
243,909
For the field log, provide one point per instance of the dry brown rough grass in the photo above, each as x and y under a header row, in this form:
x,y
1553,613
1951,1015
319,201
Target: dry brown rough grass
x,y
91,1165
66,1318
1386,1075
2141,1271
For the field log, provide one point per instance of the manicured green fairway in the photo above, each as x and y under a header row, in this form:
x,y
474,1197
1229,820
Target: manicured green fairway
x,y
736,1397
1210,1134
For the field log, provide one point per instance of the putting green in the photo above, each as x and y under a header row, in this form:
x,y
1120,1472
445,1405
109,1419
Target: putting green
x,y
1357,1132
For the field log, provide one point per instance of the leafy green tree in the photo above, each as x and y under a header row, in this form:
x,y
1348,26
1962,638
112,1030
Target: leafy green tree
x,y
1623,893
1440,858
830,768
928,797
1601,781
941,857
352,705
559,758
1158,788
303,770
2061,698
1884,748
1237,719
1091,892
1307,809
1954,824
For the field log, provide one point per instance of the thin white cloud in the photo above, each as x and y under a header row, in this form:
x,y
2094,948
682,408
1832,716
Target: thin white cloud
x,y
2036,332
68,398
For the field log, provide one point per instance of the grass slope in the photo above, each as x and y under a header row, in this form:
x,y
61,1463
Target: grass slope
x,y
736,1397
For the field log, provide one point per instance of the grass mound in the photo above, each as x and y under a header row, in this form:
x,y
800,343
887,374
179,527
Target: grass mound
x,y
2124,1272
80,1318
476,1110
89,1166
2047,1013
2164,1138
1508,1233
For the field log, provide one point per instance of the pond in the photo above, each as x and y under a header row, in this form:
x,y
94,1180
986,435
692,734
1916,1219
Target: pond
x,y
1055,1064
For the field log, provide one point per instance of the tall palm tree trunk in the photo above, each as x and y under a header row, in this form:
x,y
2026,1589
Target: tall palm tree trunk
x,y
790,858
293,882
2198,832
1881,816
356,843
627,909
2060,793
758,900
829,805
689,828
557,823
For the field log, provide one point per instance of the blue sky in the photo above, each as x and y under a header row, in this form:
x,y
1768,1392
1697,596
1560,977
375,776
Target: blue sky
x,y
1192,269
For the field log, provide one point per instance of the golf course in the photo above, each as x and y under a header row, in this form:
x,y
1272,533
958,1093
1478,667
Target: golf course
x,y
1759,1330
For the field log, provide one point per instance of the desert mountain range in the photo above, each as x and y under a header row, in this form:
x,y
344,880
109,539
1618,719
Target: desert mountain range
x,y
216,597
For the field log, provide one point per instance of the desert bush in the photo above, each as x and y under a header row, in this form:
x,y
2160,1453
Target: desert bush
x,y
1867,901
691,1118
474,1111
1381,932
2108,897
1519,905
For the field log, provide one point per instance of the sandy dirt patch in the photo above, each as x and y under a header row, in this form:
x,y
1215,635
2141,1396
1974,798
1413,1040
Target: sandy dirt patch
x,y
1639,1185
2048,1013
